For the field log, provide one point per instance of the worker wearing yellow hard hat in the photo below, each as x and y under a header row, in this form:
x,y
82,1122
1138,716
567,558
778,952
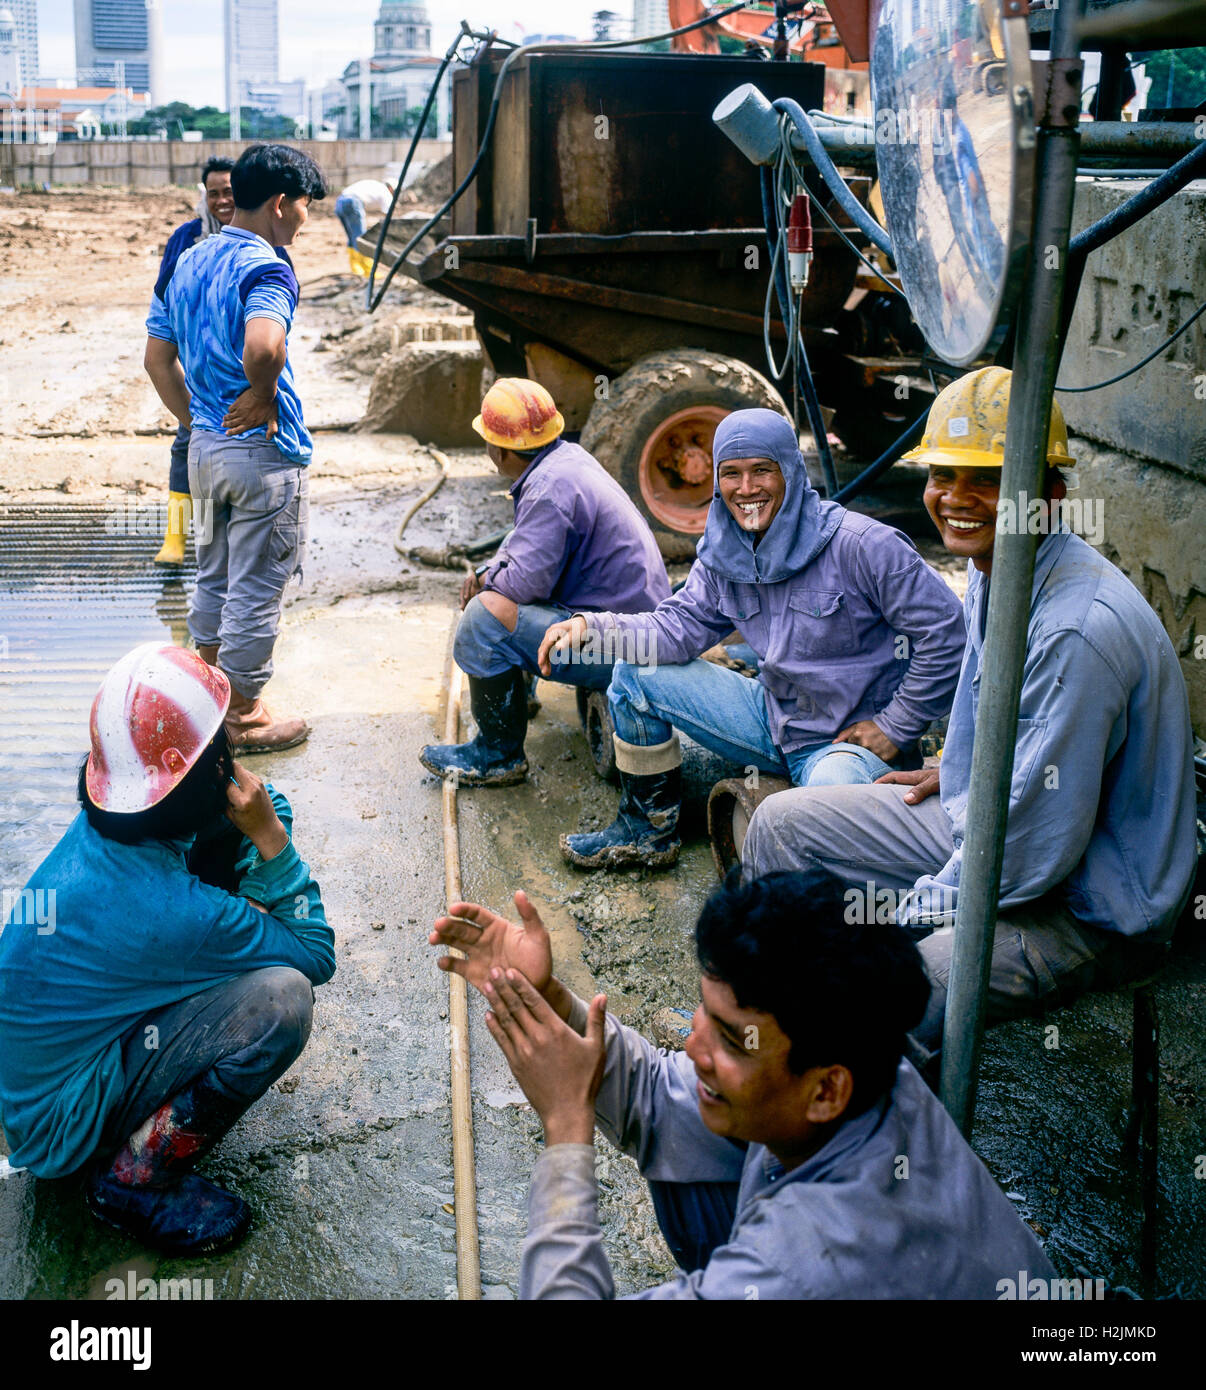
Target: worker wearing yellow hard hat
x,y
1101,846
579,542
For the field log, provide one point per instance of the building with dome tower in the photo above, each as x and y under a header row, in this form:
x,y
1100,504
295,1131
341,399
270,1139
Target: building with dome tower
x,y
400,73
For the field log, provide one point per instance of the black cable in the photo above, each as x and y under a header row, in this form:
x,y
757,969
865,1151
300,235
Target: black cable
x,y
1171,181
410,154
825,166
1155,352
820,207
883,463
797,355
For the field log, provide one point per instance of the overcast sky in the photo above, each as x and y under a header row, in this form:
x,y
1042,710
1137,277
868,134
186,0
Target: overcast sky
x,y
317,36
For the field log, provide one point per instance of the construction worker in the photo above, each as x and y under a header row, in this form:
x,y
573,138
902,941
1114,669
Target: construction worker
x,y
224,365
156,971
858,639
791,1152
351,207
1100,846
214,211
579,543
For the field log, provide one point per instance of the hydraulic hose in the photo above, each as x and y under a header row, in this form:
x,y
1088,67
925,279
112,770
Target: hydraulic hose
x,y
846,200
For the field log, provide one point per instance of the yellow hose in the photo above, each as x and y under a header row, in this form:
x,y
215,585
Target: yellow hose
x,y
464,1176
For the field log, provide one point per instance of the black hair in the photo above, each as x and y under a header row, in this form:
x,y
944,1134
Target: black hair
x,y
263,171
842,994
216,164
192,804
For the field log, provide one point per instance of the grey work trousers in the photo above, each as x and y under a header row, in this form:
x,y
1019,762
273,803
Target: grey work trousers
x,y
251,516
243,1033
868,837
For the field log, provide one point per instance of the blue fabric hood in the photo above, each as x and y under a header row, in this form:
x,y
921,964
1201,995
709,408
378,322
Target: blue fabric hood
x,y
801,527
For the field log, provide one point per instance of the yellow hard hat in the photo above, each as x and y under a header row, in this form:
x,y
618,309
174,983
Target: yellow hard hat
x,y
518,414
966,425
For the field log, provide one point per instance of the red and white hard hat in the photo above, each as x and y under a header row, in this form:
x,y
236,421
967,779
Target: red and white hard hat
x,y
151,720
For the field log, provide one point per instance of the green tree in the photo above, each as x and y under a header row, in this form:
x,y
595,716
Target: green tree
x,y
1178,76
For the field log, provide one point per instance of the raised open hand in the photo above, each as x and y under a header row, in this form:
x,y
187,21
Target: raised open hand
x,y
490,942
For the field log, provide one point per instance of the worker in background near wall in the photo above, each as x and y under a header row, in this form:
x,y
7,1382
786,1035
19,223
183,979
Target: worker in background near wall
x,y
1101,844
171,980
352,206
578,542
791,1152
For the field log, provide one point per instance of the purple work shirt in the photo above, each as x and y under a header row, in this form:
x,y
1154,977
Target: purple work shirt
x,y
865,630
578,541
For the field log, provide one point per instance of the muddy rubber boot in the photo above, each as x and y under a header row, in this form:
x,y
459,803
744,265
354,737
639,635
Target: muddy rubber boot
x,y
253,728
149,1190
208,654
494,757
175,538
644,833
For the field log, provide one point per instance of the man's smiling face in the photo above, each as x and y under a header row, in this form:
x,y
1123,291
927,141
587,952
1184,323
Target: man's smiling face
x,y
753,490
744,1087
962,503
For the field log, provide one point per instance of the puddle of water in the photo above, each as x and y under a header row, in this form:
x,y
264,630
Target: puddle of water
x,y
78,589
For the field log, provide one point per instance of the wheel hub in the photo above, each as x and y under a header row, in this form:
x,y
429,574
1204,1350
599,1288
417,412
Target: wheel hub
x,y
675,469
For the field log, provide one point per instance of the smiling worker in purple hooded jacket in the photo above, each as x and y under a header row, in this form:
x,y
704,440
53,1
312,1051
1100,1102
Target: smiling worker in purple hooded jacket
x,y
859,644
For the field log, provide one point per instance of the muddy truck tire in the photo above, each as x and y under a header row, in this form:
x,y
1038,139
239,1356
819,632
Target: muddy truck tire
x,y
654,432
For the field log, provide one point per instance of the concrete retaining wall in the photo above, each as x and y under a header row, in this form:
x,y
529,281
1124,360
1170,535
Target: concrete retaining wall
x,y
155,163
1141,445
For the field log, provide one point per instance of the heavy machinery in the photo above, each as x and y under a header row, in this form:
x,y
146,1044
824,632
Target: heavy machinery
x,y
610,245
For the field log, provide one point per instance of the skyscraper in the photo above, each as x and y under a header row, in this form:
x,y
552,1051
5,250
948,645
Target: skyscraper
x,y
109,33
10,55
252,48
25,16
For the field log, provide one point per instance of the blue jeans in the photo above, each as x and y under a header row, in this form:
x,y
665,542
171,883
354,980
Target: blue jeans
x,y
178,475
726,713
350,212
484,648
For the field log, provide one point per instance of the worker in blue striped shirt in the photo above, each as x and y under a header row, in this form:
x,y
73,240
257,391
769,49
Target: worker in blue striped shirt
x,y
224,366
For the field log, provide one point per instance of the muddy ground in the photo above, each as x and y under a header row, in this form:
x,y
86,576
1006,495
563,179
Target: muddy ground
x,y
347,1161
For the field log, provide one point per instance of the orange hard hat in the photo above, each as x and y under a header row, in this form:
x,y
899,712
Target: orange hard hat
x,y
518,414
151,720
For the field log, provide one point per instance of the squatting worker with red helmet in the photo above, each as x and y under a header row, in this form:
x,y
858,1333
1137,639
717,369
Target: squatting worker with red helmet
x,y
157,971
579,545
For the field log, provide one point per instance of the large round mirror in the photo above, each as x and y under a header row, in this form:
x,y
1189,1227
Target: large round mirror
x,y
954,130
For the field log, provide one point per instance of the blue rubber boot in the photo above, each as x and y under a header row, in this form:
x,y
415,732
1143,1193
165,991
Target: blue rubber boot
x,y
149,1191
494,757
644,834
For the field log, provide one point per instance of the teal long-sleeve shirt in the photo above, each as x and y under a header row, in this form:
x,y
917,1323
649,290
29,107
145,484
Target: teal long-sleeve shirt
x,y
106,933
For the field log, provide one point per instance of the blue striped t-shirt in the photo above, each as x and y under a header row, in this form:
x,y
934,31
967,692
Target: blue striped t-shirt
x,y
216,288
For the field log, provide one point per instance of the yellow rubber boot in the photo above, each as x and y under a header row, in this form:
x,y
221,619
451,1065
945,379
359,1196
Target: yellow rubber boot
x,y
180,513
360,264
